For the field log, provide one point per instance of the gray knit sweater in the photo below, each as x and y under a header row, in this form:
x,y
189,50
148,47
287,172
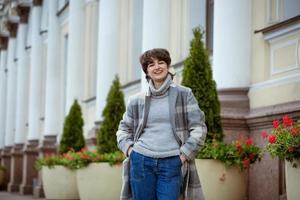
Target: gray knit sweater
x,y
157,139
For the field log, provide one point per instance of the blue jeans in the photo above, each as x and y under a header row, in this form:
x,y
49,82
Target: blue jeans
x,y
155,178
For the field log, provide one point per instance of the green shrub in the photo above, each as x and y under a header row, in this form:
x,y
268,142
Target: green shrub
x,y
112,114
197,74
72,137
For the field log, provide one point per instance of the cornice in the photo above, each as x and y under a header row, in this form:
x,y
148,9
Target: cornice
x,y
23,12
3,42
12,28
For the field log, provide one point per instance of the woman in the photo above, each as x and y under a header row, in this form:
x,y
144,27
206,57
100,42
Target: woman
x,y
160,133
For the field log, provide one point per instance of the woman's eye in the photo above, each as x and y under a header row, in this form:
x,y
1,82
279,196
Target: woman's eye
x,y
161,63
151,65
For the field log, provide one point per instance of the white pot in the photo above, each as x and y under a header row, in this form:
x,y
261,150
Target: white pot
x,y
59,183
292,177
100,181
221,182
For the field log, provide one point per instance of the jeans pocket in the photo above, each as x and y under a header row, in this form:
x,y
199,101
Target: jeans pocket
x,y
172,169
137,166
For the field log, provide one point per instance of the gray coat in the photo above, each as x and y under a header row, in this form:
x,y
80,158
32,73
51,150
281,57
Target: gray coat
x,y
188,124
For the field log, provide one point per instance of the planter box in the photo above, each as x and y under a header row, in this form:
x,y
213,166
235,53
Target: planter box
x,y
292,180
59,183
221,182
100,181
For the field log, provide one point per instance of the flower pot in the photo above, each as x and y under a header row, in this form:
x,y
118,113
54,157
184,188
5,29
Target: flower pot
x,y
99,181
221,182
292,177
59,183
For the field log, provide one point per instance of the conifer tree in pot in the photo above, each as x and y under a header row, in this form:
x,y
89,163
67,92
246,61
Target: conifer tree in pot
x,y
102,179
197,75
112,114
72,137
56,169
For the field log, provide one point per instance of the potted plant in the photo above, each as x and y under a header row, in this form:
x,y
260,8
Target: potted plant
x,y
224,166
284,143
2,170
59,180
219,165
103,180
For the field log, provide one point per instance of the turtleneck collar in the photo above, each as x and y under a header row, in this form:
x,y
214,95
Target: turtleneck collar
x,y
163,88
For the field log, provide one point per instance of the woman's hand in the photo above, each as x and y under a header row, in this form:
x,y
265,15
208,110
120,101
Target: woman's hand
x,y
129,151
182,158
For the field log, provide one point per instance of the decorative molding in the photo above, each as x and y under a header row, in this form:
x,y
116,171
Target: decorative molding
x,y
3,42
277,34
263,117
23,12
37,2
275,82
275,47
12,27
278,26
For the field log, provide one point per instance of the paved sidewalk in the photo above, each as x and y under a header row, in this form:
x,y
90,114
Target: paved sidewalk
x,y
16,196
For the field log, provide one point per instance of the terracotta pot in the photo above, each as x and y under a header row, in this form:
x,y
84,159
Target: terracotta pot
x,y
221,182
100,181
292,177
59,183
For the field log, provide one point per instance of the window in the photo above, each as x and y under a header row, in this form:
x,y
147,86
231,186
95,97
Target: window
x,y
291,8
281,10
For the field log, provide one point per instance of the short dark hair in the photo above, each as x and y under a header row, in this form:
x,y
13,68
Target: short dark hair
x,y
158,53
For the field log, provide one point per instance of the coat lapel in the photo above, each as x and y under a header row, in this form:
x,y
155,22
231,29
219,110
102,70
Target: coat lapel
x,y
172,108
144,117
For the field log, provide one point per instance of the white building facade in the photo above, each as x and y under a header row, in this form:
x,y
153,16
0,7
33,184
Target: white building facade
x,y
56,51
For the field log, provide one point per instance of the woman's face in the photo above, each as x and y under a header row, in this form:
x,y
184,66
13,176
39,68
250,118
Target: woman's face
x,y
157,71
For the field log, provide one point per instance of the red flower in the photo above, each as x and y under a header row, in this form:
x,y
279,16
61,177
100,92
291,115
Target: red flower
x,y
238,146
251,156
249,141
287,121
276,123
272,139
291,149
294,131
264,134
246,163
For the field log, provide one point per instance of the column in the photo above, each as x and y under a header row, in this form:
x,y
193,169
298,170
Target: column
x,y
232,27
3,85
10,99
108,50
35,98
54,83
156,27
53,98
231,61
35,86
75,57
21,102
